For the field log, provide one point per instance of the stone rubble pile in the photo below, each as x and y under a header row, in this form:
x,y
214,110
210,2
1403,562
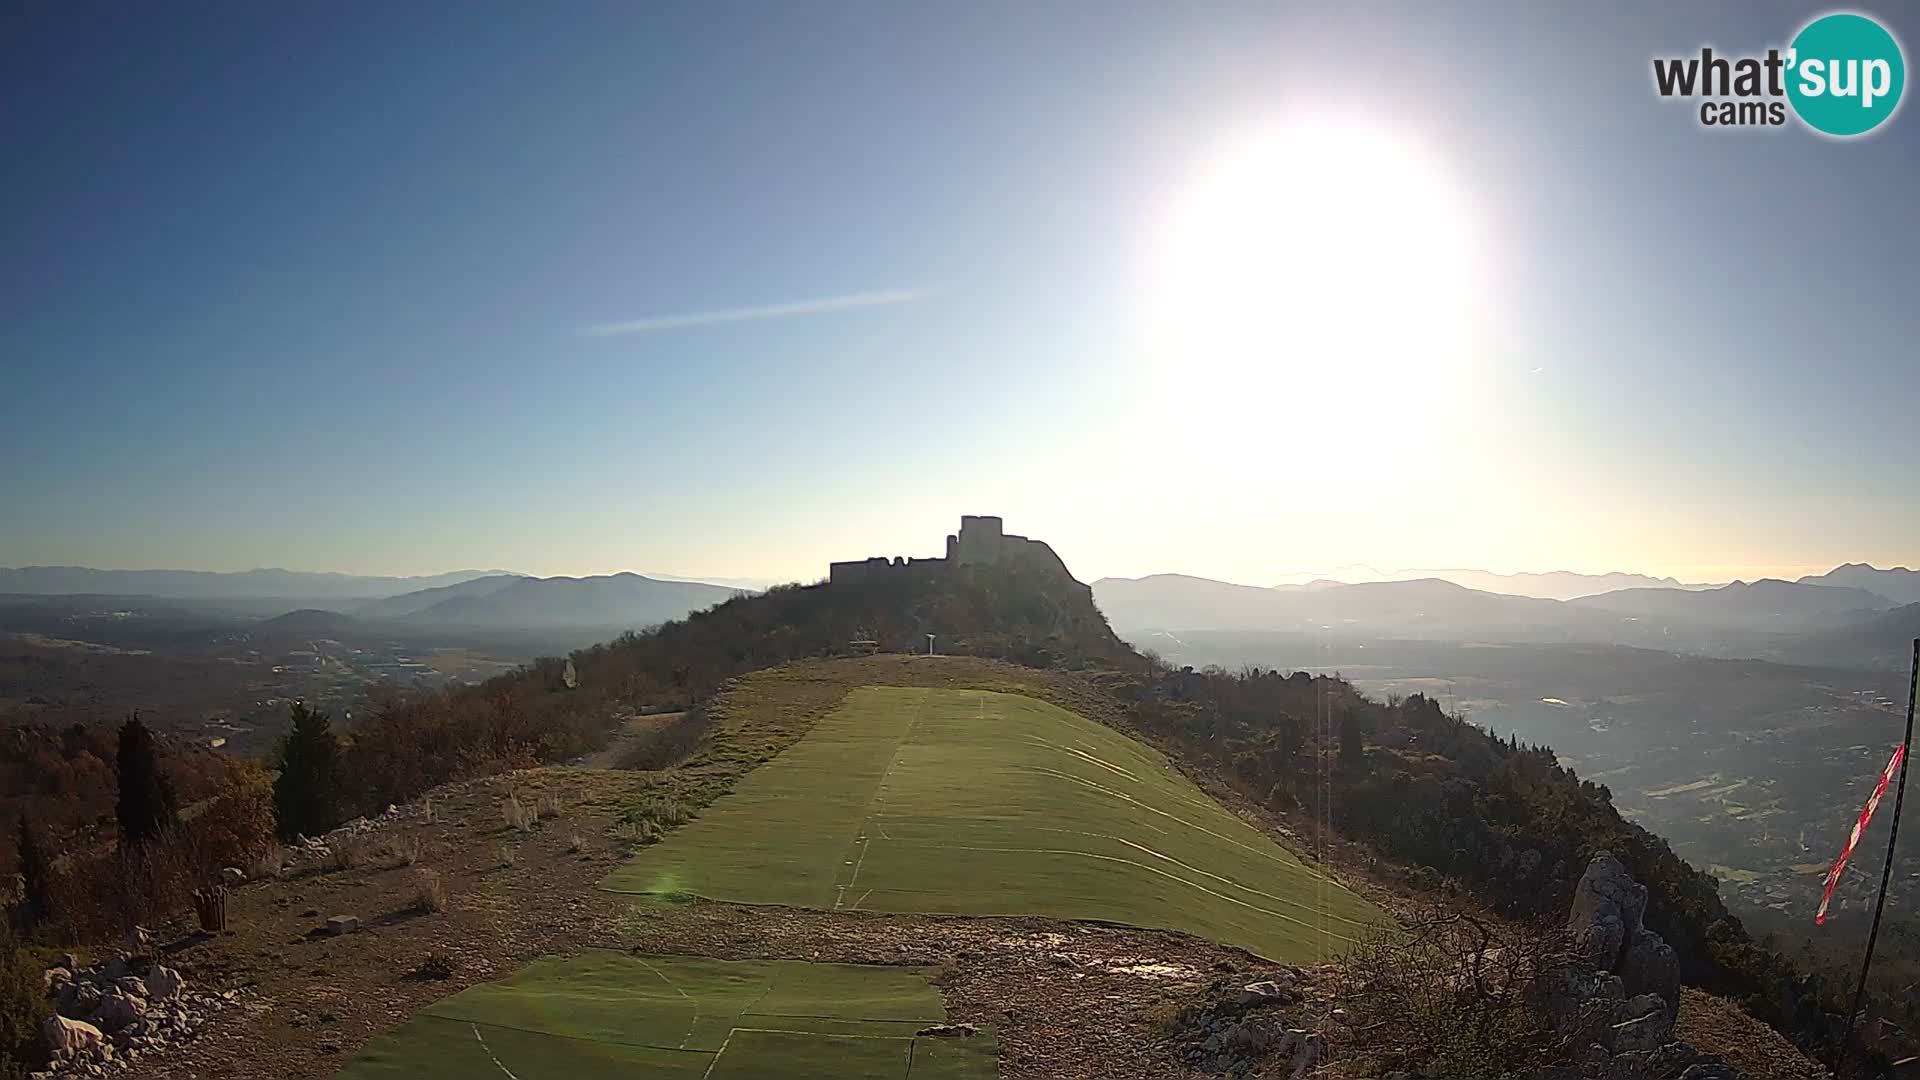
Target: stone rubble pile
x,y
107,1016
307,848
1256,1025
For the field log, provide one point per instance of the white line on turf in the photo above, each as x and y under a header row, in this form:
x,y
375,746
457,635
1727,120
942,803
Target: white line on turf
x,y
691,1024
477,1037
877,799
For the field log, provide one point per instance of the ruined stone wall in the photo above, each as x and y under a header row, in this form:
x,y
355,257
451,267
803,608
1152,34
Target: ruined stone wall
x,y
879,569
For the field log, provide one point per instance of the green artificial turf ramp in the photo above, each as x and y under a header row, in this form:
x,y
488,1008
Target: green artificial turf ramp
x,y
614,1015
971,802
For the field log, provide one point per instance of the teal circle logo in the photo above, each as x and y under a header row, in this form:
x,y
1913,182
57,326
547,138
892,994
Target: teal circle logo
x,y
1845,74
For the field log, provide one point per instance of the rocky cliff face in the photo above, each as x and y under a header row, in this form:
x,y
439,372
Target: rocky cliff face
x,y
1618,1002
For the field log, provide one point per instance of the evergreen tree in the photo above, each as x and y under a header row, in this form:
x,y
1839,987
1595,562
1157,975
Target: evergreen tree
x,y
304,800
147,806
36,872
1286,739
1352,738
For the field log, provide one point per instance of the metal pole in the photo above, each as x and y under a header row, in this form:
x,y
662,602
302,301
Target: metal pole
x,y
1886,872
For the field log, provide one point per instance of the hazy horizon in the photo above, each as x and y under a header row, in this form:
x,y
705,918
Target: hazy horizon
x,y
757,581
1213,291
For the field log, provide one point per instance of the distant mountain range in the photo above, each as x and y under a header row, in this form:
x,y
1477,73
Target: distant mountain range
x,y
1555,585
1769,599
1737,619
308,603
208,585
1900,585
625,601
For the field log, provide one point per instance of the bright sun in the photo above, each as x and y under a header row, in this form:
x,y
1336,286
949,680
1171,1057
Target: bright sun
x,y
1317,258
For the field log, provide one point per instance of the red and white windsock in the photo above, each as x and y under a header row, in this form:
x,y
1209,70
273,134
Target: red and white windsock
x,y
1859,827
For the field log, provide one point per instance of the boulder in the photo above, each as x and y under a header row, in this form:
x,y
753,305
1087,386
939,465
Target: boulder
x,y
164,983
1309,1048
64,1036
948,1031
1649,965
343,924
232,877
1644,1025
86,998
131,985
116,1011
1609,910
1266,992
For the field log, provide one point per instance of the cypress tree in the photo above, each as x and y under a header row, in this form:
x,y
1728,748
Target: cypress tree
x,y
304,800
147,806
36,871
1352,738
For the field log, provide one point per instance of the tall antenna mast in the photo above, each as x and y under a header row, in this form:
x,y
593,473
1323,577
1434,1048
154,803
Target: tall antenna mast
x,y
1886,872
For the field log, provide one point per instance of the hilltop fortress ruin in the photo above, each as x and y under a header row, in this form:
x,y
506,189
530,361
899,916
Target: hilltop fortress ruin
x,y
981,542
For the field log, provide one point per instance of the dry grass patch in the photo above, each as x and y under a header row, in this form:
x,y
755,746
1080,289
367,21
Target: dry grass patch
x,y
429,891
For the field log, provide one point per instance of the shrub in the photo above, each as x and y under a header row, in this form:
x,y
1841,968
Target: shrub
x,y
1456,996
663,811
517,814
347,853
429,891
36,876
269,864
666,745
22,1007
404,851
548,807
102,895
576,844
437,967
508,856
635,834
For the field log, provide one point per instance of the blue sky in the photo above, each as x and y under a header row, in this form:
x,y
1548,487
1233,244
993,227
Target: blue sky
x,y
316,287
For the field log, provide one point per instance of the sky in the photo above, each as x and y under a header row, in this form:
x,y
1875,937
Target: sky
x,y
1237,290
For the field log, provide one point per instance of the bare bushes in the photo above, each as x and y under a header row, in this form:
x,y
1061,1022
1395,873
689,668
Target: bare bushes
x,y
1456,996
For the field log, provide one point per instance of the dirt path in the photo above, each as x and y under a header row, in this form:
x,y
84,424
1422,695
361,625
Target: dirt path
x,y
631,730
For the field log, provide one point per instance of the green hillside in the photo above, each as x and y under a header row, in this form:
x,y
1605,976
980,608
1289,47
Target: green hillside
x,y
607,1015
980,803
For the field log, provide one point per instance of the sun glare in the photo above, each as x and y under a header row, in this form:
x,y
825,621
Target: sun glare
x,y
1317,258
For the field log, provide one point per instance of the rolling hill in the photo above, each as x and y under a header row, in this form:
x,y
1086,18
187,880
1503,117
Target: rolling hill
x,y
624,601
1764,604
413,603
1898,584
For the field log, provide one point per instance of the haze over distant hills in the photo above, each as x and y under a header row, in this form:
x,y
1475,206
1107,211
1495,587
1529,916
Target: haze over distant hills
x,y
1899,584
614,600
471,599
1763,618
1554,585
206,584
1754,603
